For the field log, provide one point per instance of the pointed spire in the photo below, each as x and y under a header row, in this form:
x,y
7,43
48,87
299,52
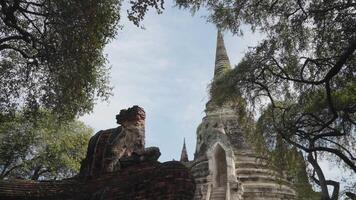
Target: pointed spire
x,y
222,62
184,155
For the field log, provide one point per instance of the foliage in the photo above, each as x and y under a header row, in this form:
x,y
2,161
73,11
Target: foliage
x,y
282,156
43,149
350,191
304,68
301,181
51,52
140,7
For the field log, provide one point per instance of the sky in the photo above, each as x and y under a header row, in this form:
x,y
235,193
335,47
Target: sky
x,y
166,69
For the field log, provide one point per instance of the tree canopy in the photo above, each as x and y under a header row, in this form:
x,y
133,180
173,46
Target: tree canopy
x,y
52,69
51,52
304,68
42,149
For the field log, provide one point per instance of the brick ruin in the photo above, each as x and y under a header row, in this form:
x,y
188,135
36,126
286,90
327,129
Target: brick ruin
x,y
117,166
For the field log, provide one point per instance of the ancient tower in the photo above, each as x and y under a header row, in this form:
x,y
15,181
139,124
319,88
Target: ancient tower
x,y
184,154
225,167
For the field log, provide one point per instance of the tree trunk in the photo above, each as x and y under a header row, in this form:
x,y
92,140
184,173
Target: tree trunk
x,y
321,182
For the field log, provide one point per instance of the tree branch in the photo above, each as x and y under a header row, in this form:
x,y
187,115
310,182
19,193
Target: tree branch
x,y
321,181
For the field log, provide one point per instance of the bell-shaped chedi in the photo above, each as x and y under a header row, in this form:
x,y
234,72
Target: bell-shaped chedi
x,y
225,165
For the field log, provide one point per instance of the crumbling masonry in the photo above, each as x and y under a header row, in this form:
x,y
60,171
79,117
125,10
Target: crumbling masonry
x,y
225,166
117,167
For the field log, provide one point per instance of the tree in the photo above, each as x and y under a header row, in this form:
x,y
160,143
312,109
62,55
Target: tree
x,y
43,149
304,68
51,52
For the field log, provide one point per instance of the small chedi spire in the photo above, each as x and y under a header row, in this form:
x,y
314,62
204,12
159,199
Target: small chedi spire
x,y
222,62
184,155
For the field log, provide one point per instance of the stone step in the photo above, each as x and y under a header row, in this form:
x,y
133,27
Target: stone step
x,y
218,193
267,196
219,189
263,180
256,171
214,197
267,188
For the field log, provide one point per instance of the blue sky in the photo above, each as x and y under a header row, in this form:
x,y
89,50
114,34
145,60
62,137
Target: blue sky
x,y
166,68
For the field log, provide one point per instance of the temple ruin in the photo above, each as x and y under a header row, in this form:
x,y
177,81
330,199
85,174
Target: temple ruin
x,y
119,166
225,166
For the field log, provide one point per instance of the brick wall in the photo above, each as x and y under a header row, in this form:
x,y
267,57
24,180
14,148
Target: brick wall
x,y
143,181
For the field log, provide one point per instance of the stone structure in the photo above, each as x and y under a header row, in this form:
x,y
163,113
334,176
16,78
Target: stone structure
x,y
141,181
117,166
107,147
225,166
184,154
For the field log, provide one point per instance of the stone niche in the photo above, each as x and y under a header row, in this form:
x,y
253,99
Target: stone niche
x,y
222,173
219,167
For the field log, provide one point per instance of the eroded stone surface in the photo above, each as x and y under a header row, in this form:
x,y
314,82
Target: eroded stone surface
x,y
108,146
142,181
225,166
117,167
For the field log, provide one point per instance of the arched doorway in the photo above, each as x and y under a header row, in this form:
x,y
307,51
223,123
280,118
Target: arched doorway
x,y
220,171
